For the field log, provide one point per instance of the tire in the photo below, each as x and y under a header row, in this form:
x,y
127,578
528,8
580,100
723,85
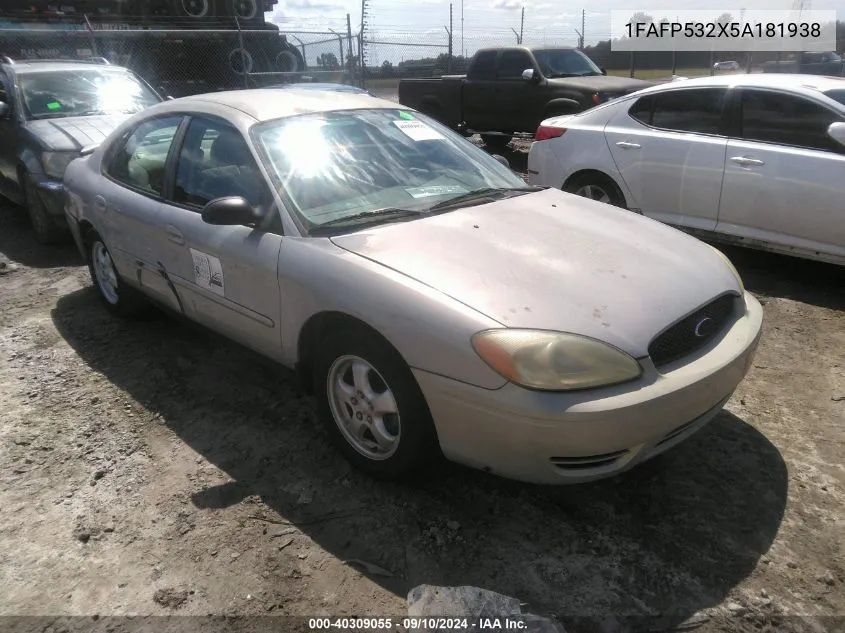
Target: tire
x,y
116,296
48,230
408,439
597,187
496,142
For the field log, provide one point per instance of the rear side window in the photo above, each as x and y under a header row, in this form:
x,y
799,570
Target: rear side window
x,y
774,117
697,110
484,66
140,159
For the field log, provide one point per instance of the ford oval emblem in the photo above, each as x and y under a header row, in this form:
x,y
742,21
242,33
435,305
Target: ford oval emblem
x,y
704,327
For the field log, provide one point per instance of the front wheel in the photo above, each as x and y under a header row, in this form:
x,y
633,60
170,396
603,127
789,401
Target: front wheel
x,y
372,405
47,229
496,142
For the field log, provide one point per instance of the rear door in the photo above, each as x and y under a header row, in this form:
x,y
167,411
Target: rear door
x,y
784,176
669,148
226,275
129,202
478,98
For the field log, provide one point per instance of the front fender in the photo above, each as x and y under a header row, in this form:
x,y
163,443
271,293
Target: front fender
x,y
430,330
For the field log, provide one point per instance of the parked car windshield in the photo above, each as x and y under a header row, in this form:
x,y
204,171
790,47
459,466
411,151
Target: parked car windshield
x,y
562,62
341,164
65,93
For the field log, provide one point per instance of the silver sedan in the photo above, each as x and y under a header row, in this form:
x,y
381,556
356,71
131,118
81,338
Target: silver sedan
x,y
430,300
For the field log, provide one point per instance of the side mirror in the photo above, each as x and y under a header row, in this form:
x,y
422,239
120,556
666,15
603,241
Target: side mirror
x,y
603,70
501,159
529,75
230,211
836,131
4,110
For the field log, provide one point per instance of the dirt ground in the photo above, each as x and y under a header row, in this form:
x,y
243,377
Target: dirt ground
x,y
151,468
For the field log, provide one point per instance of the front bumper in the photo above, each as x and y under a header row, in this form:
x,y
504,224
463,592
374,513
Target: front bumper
x,y
558,438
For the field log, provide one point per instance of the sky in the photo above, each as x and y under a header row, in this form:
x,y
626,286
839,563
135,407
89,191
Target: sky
x,y
407,26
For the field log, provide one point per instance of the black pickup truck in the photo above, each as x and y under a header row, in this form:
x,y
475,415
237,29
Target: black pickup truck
x,y
827,63
511,90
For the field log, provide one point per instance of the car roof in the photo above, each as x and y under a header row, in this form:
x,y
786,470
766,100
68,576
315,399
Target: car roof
x,y
265,104
319,86
800,83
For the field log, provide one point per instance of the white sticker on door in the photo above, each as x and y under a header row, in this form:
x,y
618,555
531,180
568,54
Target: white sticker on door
x,y
208,272
418,130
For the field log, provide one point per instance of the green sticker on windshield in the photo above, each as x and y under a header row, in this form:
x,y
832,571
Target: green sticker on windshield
x,y
54,105
406,115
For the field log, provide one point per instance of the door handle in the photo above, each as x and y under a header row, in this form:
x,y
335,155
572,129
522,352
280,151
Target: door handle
x,y
628,145
100,203
174,234
745,161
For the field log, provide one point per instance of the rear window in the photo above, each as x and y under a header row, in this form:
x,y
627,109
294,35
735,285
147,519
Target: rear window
x,y
696,110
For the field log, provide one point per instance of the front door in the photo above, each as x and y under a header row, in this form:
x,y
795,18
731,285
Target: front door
x,y
784,175
517,98
669,148
226,275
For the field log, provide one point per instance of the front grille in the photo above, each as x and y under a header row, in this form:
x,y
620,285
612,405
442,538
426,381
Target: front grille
x,y
693,331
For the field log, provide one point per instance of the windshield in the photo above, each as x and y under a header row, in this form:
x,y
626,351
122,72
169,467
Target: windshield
x,y
64,93
342,164
564,62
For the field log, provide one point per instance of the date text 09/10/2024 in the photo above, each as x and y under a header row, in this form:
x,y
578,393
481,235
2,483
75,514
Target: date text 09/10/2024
x,y
419,623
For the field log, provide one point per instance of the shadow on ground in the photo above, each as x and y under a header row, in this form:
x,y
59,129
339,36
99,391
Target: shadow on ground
x,y
18,243
667,539
803,280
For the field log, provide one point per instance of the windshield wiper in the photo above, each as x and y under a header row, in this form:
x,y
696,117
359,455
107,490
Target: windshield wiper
x,y
486,192
368,215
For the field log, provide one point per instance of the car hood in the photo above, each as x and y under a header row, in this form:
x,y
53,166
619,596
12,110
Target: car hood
x,y
556,261
73,133
602,83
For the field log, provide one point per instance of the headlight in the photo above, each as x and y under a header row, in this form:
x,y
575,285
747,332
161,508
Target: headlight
x,y
554,361
55,163
731,267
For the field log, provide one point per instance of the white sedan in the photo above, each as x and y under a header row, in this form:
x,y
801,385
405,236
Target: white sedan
x,y
752,159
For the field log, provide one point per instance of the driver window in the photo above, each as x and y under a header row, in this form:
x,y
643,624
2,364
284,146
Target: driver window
x,y
215,162
513,63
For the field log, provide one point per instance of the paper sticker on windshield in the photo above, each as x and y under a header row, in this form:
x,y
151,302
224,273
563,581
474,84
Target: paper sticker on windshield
x,y
208,272
54,105
435,190
406,115
417,130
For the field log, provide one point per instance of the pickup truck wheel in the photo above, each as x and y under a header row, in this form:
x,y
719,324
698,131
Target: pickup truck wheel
x,y
495,142
596,187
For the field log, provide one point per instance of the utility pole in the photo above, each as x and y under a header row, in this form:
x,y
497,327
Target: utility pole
x,y
521,24
463,48
449,31
349,42
363,44
581,32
